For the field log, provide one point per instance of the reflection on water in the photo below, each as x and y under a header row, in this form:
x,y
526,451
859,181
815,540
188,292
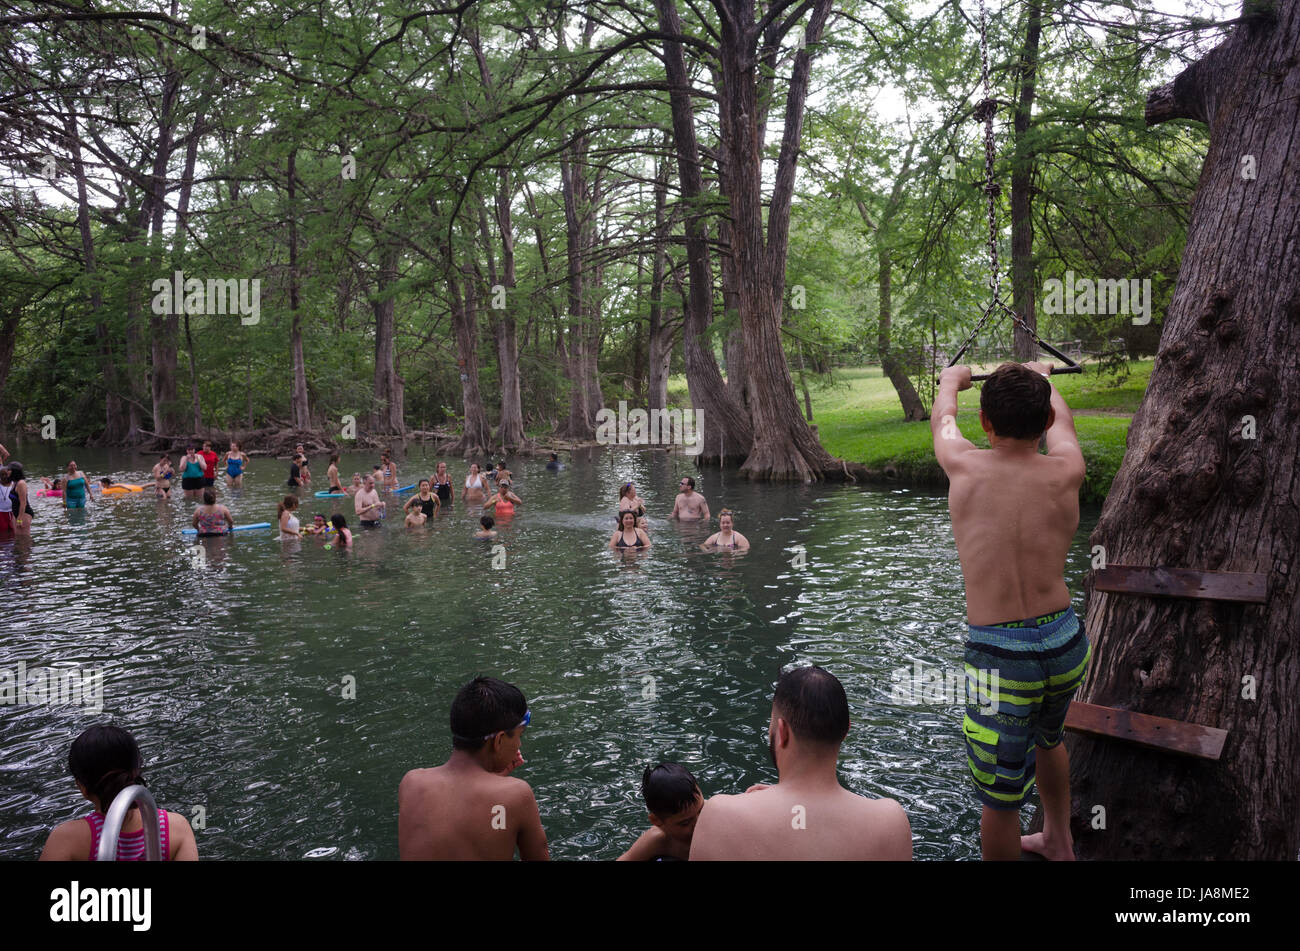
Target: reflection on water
x,y
230,666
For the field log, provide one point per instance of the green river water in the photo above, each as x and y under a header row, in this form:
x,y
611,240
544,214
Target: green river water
x,y
229,670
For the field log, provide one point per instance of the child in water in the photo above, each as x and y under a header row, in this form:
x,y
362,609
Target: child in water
x,y
470,808
105,760
486,531
674,799
317,527
341,527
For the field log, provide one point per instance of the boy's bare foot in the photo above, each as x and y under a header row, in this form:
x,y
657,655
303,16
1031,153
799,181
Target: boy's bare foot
x,y
1053,851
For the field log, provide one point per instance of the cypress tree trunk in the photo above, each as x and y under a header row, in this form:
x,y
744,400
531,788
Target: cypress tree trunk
x,y
1196,491
116,423
386,417
510,434
907,395
164,328
784,448
477,437
298,397
727,427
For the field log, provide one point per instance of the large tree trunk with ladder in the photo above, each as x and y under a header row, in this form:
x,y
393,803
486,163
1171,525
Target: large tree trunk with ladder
x,y
1022,185
1209,482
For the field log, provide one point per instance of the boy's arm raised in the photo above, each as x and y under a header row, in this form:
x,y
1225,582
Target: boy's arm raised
x,y
1061,438
949,443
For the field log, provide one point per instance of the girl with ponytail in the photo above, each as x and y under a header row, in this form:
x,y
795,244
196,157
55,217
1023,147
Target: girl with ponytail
x,y
104,760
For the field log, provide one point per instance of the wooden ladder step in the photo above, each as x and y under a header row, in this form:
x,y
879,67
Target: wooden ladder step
x,y
1240,586
1142,729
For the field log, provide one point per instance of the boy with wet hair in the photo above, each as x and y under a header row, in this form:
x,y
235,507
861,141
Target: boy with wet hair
x,y
674,801
469,808
1014,514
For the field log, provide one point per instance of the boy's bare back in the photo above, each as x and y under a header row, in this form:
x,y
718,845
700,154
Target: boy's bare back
x,y
452,813
1014,515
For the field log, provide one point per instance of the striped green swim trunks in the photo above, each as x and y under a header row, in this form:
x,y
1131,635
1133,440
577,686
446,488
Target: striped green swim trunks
x,y
1021,676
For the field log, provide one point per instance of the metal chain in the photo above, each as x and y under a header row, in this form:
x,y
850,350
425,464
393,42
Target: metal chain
x,y
988,107
986,110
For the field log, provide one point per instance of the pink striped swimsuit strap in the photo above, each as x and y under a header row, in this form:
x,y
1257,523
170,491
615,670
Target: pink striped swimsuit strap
x,y
130,845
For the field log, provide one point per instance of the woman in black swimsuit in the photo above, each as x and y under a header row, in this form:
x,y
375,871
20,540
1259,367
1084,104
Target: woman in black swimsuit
x,y
442,485
629,501
726,536
627,535
422,506
20,499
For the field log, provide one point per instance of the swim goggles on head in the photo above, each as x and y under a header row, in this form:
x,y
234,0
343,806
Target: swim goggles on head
x,y
528,718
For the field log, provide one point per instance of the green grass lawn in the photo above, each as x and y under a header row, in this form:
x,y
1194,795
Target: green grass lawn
x,y
859,419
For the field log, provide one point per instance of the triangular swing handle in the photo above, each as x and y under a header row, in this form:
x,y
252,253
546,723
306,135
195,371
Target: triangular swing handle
x,y
1070,365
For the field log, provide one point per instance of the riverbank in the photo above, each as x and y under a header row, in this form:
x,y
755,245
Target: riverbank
x,y
859,420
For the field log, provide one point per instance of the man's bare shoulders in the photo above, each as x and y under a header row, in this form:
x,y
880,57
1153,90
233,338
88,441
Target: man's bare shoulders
x,y
762,824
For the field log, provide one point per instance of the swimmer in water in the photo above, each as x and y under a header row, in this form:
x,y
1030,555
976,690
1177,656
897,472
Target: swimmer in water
x,y
295,471
20,506
192,474
209,464
211,518
504,502
388,471
673,800
318,526
8,524
235,462
485,528
475,491
442,485
76,491
356,485
368,506
341,529
288,521
442,812
629,501
332,475
105,760
689,505
162,476
726,537
627,535
422,506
